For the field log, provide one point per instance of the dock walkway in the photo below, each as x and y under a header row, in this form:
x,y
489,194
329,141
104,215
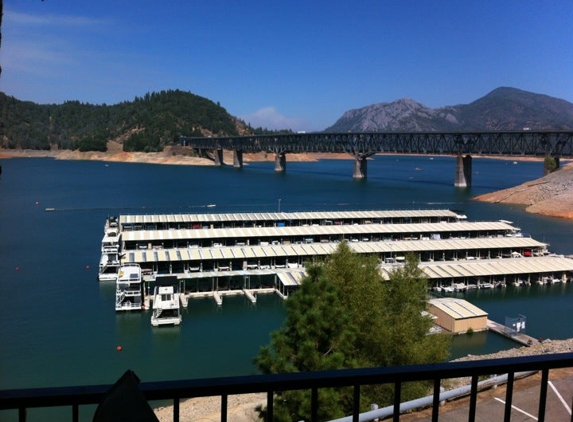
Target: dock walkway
x,y
522,338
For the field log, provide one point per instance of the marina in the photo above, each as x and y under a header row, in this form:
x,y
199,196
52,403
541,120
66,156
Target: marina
x,y
217,255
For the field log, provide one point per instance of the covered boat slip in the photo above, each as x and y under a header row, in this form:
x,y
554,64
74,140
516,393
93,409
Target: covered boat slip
x,y
503,270
149,239
191,260
232,220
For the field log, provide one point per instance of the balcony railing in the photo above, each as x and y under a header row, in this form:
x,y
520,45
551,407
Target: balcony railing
x,y
175,391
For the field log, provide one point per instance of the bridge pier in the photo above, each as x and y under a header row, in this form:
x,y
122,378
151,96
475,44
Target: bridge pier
x,y
218,157
463,171
360,167
238,158
280,162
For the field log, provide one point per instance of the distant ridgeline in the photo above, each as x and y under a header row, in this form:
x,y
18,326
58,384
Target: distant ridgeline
x,y
147,123
500,110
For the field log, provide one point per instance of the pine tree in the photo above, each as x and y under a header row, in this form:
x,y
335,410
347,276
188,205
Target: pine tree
x,y
345,315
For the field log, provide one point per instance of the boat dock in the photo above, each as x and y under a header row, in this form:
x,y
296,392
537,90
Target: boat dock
x,y
521,338
215,255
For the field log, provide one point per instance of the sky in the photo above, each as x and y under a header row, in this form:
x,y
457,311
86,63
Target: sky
x,y
285,64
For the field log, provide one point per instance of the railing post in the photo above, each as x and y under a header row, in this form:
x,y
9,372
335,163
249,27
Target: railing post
x,y
314,405
176,409
473,399
224,407
75,412
356,404
508,397
543,394
269,406
397,399
436,400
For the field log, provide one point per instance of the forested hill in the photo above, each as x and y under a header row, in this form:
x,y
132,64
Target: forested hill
x,y
502,109
146,124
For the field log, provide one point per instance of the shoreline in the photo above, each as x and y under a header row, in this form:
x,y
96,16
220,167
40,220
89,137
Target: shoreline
x,y
550,196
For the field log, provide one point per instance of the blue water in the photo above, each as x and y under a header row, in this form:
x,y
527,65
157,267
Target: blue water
x,y
57,323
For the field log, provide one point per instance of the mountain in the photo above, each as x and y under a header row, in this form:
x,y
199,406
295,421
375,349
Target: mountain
x,y
502,109
147,123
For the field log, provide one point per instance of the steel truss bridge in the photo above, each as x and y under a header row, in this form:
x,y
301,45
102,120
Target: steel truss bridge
x,y
524,143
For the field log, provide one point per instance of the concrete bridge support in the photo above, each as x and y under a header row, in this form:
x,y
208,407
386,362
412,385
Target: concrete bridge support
x,y
280,162
218,157
463,171
360,168
238,158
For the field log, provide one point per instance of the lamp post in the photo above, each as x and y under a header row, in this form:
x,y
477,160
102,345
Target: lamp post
x,y
279,205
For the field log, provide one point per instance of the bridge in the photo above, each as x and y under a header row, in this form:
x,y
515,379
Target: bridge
x,y
361,145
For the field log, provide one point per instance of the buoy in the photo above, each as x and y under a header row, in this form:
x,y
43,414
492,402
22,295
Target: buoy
x,y
17,268
87,267
119,348
37,203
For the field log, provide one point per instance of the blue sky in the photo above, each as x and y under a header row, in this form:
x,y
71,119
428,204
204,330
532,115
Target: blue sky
x,y
286,64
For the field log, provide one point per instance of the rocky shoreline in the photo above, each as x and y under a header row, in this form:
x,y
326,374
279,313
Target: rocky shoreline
x,y
550,195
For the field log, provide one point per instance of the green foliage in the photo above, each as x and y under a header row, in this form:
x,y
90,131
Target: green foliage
x,y
549,164
345,315
92,143
158,119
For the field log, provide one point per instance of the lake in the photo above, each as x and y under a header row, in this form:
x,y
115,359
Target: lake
x,y
58,324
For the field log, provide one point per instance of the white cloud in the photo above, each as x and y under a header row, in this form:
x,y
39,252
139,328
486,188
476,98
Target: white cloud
x,y
26,19
270,118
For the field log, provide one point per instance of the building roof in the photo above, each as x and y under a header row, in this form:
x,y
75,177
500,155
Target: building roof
x,y
458,308
280,216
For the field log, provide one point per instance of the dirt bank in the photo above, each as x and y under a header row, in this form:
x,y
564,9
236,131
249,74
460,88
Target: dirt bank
x,y
551,195
169,156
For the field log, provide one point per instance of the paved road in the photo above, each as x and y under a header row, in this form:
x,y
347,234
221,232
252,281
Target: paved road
x,y
525,404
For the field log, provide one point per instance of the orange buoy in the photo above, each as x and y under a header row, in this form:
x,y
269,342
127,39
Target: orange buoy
x,y
119,348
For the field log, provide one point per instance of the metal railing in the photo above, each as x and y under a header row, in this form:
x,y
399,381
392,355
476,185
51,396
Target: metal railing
x,y
313,381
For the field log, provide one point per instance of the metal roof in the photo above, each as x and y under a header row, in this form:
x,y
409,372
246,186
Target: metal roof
x,y
394,248
280,216
291,278
492,267
294,231
458,308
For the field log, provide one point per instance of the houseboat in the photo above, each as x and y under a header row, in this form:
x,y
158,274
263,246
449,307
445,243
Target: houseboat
x,y
166,306
109,261
129,288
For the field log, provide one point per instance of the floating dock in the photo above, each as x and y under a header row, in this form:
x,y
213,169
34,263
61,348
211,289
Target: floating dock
x,y
521,338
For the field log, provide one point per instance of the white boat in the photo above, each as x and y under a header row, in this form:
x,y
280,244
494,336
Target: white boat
x,y
109,261
166,307
129,289
108,266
